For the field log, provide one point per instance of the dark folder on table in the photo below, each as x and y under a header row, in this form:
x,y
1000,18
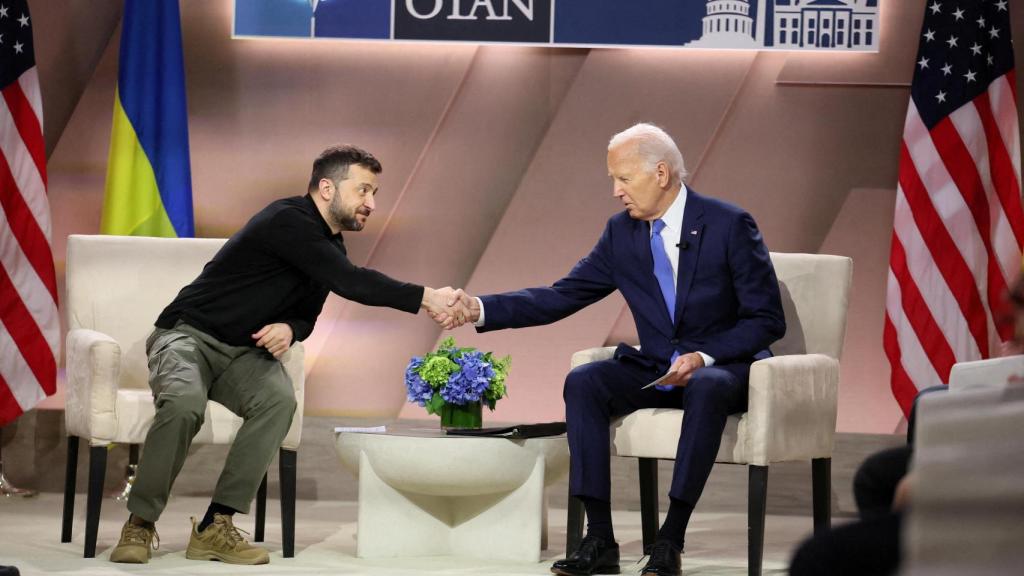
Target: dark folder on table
x,y
514,432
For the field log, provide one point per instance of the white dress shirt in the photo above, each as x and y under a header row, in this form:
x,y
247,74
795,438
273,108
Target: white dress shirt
x,y
671,235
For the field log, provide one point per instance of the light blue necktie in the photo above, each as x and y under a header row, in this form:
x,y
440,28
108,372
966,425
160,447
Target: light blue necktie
x,y
663,272
663,269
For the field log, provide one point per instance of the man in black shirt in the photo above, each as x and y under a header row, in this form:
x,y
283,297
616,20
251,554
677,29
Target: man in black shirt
x,y
223,335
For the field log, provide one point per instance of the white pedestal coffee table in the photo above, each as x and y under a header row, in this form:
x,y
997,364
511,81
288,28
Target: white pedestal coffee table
x,y
422,493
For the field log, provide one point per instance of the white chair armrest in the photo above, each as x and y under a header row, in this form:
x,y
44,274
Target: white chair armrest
x,y
93,370
990,373
294,365
591,355
792,409
967,494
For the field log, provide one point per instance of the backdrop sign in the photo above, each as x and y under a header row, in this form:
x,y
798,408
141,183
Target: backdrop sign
x,y
850,25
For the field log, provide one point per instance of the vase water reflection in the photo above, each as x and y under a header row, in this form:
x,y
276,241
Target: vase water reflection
x,y
469,415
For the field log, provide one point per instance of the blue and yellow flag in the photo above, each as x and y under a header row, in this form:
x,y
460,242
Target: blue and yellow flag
x,y
149,182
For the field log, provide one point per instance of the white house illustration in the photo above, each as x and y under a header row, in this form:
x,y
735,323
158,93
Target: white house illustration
x,y
851,24
790,24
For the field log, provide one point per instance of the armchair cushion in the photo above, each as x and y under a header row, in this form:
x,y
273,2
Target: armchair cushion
x,y
654,433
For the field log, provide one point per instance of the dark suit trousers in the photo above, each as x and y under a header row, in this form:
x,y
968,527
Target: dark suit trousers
x,y
598,392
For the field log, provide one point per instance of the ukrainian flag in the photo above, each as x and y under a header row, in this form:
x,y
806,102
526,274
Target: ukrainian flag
x,y
149,182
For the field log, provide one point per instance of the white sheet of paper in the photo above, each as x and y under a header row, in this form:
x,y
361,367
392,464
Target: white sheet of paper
x,y
363,429
658,381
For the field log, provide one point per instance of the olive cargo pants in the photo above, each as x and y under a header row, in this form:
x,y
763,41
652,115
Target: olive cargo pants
x,y
187,367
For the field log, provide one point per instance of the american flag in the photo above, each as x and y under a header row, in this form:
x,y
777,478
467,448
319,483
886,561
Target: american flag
x,y
29,325
959,225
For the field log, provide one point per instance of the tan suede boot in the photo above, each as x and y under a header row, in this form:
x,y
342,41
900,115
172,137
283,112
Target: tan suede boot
x,y
222,541
136,544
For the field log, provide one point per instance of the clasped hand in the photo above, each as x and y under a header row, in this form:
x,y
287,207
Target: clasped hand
x,y
276,338
450,307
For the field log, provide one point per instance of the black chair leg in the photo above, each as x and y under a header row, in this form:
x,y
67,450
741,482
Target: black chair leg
x,y
70,478
97,472
649,499
287,460
261,510
574,525
757,493
821,481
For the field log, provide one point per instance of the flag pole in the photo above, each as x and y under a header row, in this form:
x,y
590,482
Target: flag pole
x,y
7,489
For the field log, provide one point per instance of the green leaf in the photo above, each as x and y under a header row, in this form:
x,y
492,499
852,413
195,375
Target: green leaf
x,y
435,404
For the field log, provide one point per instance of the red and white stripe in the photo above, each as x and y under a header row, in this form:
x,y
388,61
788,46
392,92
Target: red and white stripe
x,y
957,238
29,324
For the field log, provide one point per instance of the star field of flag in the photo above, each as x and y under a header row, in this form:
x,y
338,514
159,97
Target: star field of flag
x,y
15,41
964,46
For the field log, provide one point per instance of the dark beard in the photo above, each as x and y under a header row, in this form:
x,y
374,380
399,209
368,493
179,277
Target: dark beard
x,y
350,224
344,221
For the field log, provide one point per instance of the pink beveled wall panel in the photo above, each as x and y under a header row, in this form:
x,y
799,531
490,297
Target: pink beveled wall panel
x,y
864,380
494,172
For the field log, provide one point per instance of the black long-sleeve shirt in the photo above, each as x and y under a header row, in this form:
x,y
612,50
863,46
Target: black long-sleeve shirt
x,y
279,268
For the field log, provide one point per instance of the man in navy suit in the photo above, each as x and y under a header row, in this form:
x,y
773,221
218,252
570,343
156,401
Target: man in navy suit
x,y
697,278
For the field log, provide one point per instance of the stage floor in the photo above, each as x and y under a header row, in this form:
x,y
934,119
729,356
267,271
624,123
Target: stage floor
x,y
325,542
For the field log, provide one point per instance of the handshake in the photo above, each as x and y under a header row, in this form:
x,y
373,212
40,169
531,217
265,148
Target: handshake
x,y
450,307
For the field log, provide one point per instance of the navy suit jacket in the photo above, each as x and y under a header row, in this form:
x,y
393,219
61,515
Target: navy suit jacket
x,y
727,296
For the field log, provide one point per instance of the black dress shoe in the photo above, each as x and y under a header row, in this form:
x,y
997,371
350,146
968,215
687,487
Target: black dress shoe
x,y
594,556
664,560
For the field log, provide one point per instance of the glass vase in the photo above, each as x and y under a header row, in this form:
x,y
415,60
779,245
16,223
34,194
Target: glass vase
x,y
468,415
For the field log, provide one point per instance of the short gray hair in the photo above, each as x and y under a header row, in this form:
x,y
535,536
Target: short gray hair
x,y
654,145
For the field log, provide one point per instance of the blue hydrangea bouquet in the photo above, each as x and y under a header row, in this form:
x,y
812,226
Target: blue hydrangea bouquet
x,y
456,382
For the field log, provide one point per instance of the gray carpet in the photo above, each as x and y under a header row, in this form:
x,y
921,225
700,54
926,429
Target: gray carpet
x,y
326,543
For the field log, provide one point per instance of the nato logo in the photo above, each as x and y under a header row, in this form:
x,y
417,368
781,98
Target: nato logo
x,y
314,18
526,21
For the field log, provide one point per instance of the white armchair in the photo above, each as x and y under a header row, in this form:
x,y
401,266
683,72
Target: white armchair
x,y
967,512
116,288
988,374
792,404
